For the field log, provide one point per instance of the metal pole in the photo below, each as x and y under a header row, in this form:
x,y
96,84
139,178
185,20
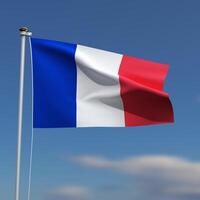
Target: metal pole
x,y
23,33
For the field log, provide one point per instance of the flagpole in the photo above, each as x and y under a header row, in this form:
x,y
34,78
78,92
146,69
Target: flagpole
x,y
24,32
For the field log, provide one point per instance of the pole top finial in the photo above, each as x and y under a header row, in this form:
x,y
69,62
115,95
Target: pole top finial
x,y
24,31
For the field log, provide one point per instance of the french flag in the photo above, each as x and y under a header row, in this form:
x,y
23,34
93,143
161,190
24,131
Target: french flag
x,y
79,86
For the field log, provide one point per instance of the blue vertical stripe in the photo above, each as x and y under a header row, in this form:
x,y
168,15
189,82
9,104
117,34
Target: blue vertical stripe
x,y
54,84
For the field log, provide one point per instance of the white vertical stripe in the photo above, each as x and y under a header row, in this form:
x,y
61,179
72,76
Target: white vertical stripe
x,y
98,90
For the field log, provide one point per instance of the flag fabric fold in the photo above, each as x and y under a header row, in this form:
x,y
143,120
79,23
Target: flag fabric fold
x,y
79,86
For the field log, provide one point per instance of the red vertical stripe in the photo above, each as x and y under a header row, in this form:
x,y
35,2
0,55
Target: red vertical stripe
x,y
142,93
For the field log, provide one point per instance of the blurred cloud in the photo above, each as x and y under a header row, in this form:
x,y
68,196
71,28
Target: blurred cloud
x,y
70,192
158,177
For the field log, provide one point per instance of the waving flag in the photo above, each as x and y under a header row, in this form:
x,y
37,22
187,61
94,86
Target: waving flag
x,y
79,86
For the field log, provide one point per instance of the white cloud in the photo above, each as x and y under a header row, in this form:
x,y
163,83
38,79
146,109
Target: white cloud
x,y
93,161
71,192
157,175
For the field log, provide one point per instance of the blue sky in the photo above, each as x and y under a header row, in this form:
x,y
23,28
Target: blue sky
x,y
154,162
